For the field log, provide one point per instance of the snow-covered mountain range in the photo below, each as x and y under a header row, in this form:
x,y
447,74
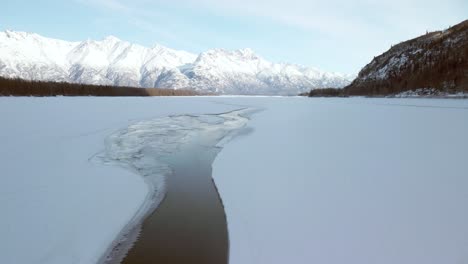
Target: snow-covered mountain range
x,y
112,61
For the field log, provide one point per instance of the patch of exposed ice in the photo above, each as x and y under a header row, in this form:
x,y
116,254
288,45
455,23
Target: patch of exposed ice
x,y
144,148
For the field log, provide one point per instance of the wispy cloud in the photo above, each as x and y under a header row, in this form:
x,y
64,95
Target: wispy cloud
x,y
360,29
135,14
330,17
114,5
342,17
149,17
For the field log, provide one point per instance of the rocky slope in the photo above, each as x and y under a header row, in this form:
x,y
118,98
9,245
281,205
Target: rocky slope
x,y
115,62
435,60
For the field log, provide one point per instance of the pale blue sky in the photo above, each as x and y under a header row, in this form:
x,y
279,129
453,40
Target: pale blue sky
x,y
334,35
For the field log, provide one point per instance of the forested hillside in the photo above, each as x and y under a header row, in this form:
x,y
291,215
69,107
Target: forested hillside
x,y
435,60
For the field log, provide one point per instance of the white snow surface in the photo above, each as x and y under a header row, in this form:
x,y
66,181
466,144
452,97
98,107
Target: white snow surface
x,y
112,61
315,181
348,181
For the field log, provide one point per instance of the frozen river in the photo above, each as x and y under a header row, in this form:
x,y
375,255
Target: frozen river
x,y
174,156
349,180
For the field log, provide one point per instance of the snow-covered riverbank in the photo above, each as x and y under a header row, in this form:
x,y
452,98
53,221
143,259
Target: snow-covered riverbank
x,y
348,181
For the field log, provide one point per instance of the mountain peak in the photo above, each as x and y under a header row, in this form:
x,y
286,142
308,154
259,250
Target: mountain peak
x,y
18,34
157,46
112,38
246,51
239,53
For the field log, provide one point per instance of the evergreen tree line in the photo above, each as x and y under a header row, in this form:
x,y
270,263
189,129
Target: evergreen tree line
x,y
20,87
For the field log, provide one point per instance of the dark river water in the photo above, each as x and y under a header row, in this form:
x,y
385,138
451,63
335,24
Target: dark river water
x,y
189,226
174,155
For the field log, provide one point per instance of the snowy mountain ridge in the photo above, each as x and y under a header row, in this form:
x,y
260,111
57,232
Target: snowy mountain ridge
x,y
112,61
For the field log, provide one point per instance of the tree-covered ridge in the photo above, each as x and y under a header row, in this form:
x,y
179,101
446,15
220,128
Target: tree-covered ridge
x,y
435,60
